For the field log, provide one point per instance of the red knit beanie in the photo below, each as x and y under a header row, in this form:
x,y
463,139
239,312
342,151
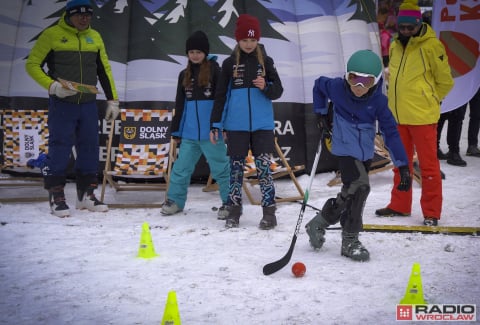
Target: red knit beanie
x,y
247,27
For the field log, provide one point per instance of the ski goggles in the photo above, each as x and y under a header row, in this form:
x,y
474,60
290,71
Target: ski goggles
x,y
361,79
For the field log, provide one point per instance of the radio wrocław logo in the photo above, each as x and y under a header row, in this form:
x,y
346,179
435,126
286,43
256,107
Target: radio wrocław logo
x,y
437,312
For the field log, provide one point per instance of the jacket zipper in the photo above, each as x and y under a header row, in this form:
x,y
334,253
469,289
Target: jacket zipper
x,y
401,68
81,64
198,119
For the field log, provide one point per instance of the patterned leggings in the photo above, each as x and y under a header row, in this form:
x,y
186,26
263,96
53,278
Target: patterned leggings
x,y
262,164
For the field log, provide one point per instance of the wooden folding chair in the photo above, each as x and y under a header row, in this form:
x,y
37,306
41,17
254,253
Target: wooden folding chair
x,y
279,170
144,156
24,137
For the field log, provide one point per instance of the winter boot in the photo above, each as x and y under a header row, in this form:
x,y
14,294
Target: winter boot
x,y
234,213
170,207
58,206
387,212
85,197
353,248
316,230
431,222
473,151
222,213
269,220
455,159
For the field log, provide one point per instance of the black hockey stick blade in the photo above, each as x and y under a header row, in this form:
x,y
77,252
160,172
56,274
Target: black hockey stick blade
x,y
281,263
278,265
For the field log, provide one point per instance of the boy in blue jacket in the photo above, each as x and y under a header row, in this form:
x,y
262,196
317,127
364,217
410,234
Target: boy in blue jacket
x,y
358,104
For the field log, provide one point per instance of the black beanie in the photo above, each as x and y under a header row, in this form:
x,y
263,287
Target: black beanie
x,y
198,41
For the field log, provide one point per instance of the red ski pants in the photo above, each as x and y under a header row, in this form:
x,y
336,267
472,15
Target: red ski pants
x,y
421,139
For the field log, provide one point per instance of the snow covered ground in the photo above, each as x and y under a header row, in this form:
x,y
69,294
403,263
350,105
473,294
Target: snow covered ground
x,y
84,269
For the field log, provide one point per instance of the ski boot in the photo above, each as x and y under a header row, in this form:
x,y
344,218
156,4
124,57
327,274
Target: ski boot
x,y
353,248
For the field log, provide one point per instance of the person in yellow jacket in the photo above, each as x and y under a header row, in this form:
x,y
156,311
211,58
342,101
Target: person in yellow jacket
x,y
419,79
73,51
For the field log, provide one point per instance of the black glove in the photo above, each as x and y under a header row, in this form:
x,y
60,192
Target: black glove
x,y
405,179
324,126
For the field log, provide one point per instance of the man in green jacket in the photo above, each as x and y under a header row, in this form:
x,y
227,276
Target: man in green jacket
x,y
420,78
73,51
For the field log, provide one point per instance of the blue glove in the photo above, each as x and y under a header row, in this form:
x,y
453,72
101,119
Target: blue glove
x,y
405,179
39,162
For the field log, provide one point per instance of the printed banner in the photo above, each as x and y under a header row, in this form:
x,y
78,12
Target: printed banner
x,y
144,142
457,24
25,136
145,40
145,43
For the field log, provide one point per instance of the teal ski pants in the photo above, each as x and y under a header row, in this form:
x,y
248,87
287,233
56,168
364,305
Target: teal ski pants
x,y
184,166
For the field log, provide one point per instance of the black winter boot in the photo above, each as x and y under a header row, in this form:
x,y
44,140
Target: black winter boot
x,y
269,220
234,213
473,151
353,248
58,206
455,159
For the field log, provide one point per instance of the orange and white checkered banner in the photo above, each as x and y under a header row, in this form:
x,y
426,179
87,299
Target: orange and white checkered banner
x,y
26,135
144,142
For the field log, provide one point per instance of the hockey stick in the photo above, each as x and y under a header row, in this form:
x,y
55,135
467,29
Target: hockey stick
x,y
277,265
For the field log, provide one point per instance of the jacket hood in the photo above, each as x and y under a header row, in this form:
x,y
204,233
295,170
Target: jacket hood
x,y
425,32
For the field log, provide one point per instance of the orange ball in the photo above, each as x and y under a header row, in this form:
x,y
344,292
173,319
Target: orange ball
x,y
298,269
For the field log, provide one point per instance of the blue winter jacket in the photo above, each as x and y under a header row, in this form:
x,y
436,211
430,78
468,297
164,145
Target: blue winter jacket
x,y
354,122
193,105
240,105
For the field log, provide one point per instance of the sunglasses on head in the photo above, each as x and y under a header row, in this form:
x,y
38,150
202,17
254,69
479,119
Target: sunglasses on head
x,y
410,28
360,79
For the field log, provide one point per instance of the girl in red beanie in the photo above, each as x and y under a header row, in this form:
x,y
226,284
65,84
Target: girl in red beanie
x,y
243,110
